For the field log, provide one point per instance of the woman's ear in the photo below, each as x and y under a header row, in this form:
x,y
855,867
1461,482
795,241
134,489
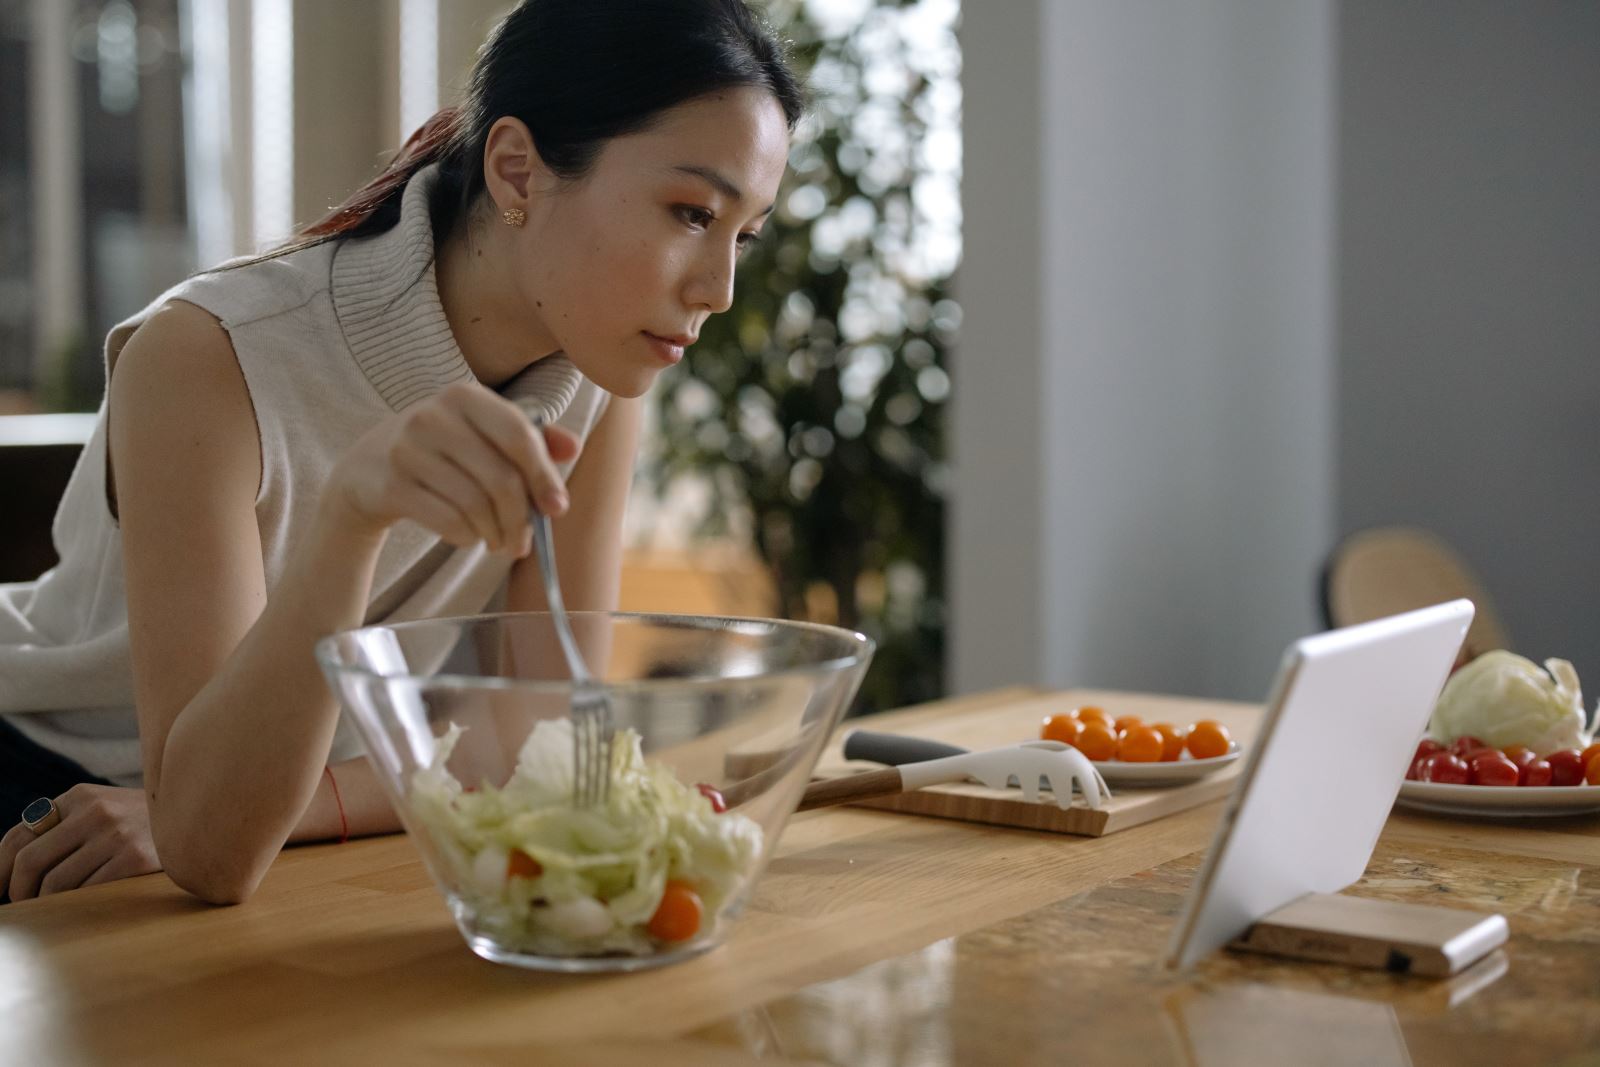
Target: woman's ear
x,y
513,172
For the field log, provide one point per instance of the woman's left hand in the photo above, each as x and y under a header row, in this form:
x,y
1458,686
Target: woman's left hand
x,y
103,835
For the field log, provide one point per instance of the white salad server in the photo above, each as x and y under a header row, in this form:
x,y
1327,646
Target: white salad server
x,y
1031,765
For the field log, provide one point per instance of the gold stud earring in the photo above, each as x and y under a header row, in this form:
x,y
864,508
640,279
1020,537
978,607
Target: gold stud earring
x,y
514,216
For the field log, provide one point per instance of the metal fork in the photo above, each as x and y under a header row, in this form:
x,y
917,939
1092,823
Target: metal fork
x,y
592,726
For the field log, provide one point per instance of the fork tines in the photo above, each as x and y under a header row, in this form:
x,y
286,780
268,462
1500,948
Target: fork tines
x,y
592,731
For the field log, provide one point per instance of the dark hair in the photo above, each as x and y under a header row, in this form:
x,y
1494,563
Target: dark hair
x,y
577,73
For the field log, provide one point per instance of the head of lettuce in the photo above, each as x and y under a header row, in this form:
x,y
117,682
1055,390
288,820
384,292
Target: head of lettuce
x,y
1503,699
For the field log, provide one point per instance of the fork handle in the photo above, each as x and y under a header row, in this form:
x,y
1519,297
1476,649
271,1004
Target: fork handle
x,y
831,791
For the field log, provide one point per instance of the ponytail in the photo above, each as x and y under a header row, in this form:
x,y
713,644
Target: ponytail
x,y
376,206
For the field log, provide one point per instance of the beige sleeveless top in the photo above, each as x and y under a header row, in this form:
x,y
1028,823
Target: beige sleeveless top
x,y
331,340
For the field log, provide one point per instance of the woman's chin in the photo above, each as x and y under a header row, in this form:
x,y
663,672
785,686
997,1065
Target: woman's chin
x,y
628,383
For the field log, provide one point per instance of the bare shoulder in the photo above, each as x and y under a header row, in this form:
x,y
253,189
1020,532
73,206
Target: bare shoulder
x,y
178,400
180,349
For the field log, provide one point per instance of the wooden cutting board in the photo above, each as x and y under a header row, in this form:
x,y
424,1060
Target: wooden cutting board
x,y
985,724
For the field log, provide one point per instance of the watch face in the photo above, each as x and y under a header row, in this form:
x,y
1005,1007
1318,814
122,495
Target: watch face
x,y
36,811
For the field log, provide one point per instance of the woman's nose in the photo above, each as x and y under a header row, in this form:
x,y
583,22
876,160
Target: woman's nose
x,y
711,287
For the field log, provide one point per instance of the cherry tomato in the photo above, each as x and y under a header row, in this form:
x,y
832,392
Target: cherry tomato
x,y
1591,772
1208,739
1519,754
1566,767
1127,722
1446,768
1465,745
1589,753
1427,747
1172,739
1097,741
711,793
1093,714
1492,768
1063,728
1141,744
1536,772
521,865
677,917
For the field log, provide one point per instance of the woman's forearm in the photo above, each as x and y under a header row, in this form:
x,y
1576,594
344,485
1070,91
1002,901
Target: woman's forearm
x,y
244,758
365,806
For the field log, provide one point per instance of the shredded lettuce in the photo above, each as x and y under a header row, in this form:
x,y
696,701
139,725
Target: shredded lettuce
x,y
603,869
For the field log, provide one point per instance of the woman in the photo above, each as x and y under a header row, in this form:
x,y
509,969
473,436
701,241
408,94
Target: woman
x,y
343,433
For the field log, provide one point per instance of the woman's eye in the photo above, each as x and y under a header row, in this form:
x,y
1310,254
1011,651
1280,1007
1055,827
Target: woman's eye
x,y
696,216
746,240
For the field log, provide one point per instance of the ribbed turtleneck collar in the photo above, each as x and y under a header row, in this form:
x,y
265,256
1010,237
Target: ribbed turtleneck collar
x,y
387,301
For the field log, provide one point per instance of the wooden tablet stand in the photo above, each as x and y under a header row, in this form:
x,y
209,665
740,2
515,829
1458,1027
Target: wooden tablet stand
x,y
1420,939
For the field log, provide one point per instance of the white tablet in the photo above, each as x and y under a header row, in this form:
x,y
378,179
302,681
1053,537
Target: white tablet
x,y
1341,726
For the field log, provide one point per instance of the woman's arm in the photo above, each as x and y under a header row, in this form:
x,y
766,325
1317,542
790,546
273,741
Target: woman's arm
x,y
233,716
235,719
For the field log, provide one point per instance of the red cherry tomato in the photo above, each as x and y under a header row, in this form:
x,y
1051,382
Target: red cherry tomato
x,y
1566,767
1466,744
1492,768
1425,748
1536,772
677,917
1520,755
718,803
1446,768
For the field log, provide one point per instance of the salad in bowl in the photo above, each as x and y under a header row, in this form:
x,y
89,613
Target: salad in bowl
x,y
718,724
650,867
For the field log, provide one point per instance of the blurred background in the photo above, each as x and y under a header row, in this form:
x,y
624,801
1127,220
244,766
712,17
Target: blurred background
x,y
1083,334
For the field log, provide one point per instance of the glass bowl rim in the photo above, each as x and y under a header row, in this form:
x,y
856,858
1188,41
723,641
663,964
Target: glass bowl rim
x,y
865,647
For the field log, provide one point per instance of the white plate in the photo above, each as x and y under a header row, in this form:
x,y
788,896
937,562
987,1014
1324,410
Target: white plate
x,y
1174,772
1499,802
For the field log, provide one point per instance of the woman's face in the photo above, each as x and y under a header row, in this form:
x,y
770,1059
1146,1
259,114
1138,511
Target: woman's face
x,y
622,267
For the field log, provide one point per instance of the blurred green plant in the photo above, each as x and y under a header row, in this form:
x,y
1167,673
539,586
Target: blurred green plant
x,y
813,412
73,378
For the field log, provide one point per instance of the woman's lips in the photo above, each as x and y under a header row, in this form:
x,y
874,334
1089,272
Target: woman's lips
x,y
668,349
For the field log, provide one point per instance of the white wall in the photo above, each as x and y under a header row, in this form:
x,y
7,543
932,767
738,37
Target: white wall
x,y
1143,420
1469,320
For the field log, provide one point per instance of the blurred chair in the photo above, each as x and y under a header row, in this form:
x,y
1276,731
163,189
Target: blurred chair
x,y
715,579
1390,569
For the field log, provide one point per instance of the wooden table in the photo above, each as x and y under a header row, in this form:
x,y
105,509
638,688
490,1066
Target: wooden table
x,y
875,938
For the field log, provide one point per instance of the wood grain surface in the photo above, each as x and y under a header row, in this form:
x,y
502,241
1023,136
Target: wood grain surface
x,y
868,926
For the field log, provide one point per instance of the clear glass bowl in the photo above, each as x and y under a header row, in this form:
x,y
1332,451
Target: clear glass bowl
x,y
742,706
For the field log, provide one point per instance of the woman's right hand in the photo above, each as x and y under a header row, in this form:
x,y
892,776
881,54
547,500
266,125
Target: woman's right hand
x,y
466,464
